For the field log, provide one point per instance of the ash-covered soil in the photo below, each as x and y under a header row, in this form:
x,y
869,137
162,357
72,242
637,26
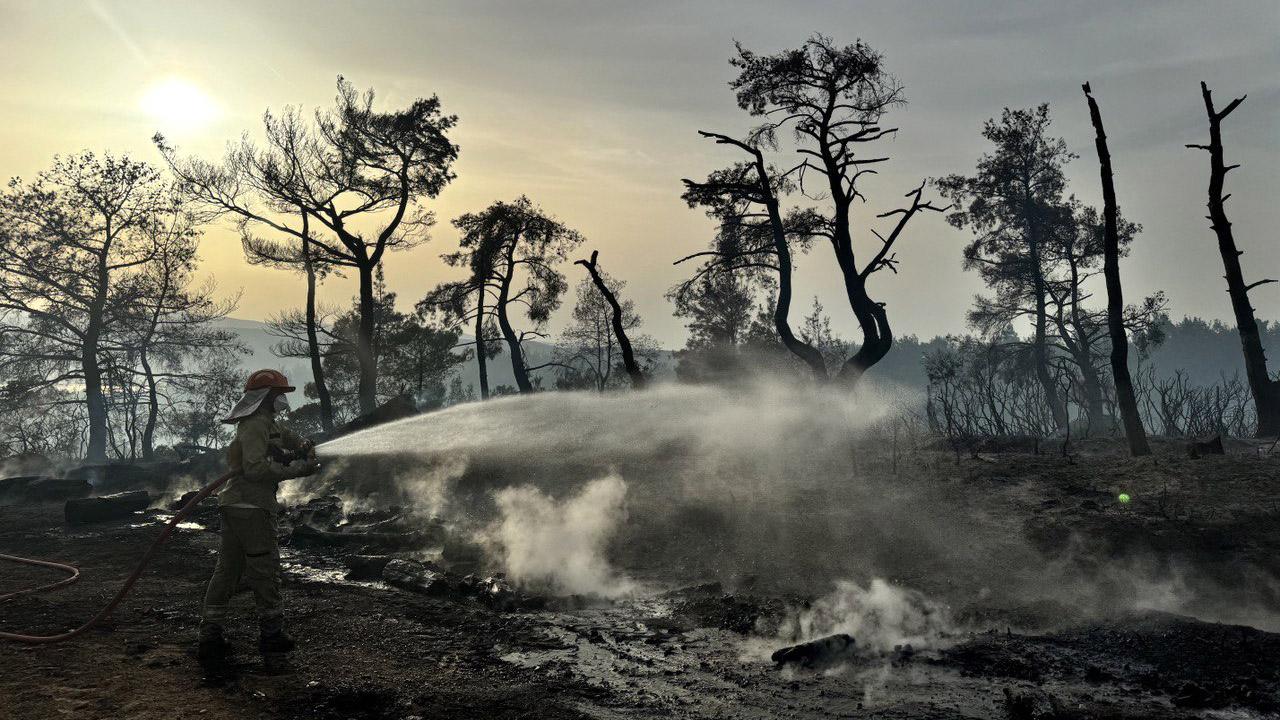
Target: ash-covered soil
x,y
1059,602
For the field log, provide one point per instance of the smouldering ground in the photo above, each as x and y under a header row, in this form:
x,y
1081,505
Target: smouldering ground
x,y
1046,581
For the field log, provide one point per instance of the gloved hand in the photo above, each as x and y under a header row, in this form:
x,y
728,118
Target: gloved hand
x,y
303,468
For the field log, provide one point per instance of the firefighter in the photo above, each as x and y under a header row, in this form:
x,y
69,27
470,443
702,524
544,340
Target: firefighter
x,y
265,453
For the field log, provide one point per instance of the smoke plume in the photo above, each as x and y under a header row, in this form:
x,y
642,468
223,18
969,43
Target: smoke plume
x,y
773,488
880,616
561,546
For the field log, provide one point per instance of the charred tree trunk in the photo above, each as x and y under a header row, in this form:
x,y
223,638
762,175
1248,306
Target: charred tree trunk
x,y
153,407
95,401
1091,388
482,359
872,319
619,332
782,324
504,323
1125,398
368,387
877,336
1265,389
153,395
763,193
313,342
1040,359
1040,342
1075,336
810,355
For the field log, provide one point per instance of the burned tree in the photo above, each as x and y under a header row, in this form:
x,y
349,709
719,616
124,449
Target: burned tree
x,y
300,332
471,301
72,246
170,324
1079,333
833,99
718,309
308,333
977,388
415,355
618,320
511,250
359,174
1265,389
1125,398
418,356
1011,204
465,303
753,237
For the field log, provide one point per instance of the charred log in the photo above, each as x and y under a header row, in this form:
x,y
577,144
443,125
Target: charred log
x,y
38,488
816,654
1200,448
108,507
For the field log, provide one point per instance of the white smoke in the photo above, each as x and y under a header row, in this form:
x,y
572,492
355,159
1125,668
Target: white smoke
x,y
880,617
562,545
767,487
424,488
178,487
427,490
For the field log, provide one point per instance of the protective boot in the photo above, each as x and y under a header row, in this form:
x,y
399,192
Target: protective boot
x,y
272,639
213,647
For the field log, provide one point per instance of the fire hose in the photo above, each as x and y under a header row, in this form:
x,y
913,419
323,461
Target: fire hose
x,y
74,573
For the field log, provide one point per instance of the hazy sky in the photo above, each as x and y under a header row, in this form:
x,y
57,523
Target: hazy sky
x,y
591,109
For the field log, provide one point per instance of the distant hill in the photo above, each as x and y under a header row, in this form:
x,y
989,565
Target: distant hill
x,y
256,336
1205,351
1208,351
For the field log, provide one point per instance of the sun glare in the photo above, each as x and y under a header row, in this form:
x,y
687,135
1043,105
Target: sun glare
x,y
178,105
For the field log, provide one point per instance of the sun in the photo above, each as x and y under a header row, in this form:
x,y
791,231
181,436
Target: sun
x,y
178,105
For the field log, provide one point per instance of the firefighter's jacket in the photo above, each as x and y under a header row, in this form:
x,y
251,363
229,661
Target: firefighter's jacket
x,y
258,452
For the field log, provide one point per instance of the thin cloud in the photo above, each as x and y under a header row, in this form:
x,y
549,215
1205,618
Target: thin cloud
x,y
116,28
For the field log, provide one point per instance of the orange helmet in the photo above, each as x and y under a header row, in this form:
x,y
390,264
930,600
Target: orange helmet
x,y
268,379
